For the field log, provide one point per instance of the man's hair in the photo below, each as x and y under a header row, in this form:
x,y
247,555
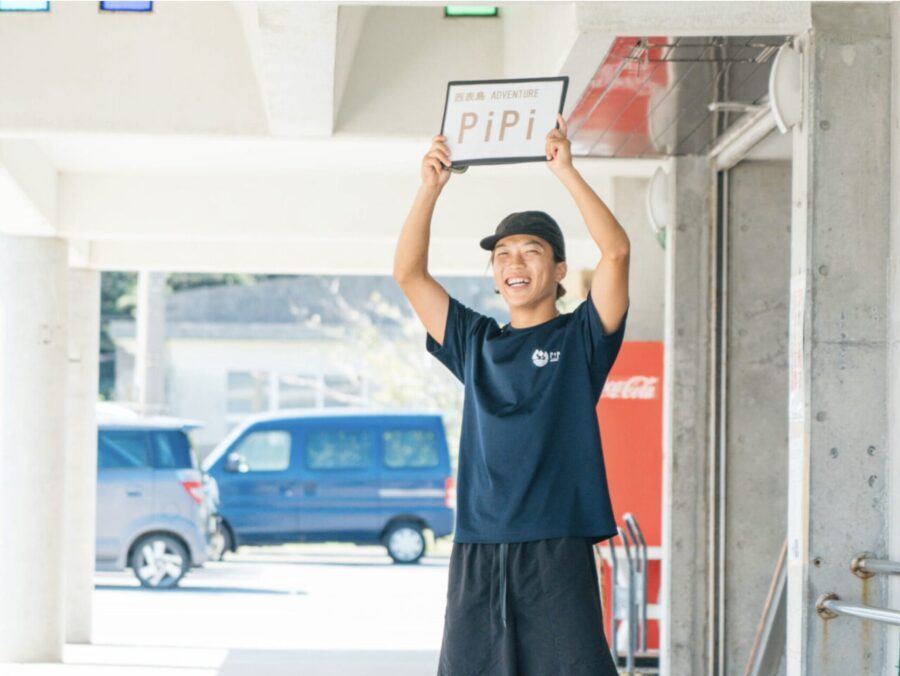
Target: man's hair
x,y
560,289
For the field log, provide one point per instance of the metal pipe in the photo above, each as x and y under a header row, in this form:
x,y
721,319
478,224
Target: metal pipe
x,y
830,606
638,536
632,623
739,138
865,566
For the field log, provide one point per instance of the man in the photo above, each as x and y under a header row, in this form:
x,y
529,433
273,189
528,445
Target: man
x,y
532,497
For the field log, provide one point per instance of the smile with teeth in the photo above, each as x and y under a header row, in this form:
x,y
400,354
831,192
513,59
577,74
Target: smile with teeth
x,y
517,281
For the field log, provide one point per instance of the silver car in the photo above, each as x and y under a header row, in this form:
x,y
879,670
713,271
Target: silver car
x,y
153,511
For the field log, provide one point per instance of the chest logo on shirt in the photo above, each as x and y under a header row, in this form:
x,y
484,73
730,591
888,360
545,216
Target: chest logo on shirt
x,y
542,357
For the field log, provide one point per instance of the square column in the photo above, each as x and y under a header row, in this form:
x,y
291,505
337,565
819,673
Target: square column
x,y
840,304
685,594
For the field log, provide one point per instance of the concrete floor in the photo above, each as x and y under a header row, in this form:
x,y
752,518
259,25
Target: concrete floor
x,y
311,610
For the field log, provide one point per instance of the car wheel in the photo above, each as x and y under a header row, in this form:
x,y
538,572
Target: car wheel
x,y
159,561
222,542
405,542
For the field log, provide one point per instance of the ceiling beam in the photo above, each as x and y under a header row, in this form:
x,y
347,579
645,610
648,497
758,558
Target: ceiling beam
x,y
693,18
28,183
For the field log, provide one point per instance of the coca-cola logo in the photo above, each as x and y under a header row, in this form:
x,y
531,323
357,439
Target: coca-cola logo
x,y
635,387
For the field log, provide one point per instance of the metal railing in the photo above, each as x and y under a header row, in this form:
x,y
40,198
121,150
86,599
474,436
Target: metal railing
x,y
864,565
768,644
629,596
830,606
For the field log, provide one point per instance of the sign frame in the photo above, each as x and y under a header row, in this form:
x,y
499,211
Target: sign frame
x,y
463,166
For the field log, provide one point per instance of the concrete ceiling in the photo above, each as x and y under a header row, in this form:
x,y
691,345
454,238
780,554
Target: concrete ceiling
x,y
251,131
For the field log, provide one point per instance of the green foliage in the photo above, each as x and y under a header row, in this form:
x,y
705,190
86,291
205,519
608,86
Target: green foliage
x,y
118,300
178,281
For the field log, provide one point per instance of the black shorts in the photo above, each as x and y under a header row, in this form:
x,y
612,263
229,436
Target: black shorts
x,y
524,609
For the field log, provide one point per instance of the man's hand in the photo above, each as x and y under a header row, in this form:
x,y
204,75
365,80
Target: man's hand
x,y
558,149
436,163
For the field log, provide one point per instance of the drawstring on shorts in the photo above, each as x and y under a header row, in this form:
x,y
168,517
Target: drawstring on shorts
x,y
504,551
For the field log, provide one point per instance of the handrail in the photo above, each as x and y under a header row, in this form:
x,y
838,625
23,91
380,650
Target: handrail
x,y
829,606
629,594
864,565
637,536
632,620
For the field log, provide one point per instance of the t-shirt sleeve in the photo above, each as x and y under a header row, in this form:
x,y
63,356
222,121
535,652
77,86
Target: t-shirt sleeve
x,y
461,323
601,347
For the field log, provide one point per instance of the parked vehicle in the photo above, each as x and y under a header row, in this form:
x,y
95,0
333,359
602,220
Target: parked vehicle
x,y
347,476
153,514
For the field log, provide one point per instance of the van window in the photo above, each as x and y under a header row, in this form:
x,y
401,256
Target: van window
x,y
338,449
172,450
121,449
410,449
265,451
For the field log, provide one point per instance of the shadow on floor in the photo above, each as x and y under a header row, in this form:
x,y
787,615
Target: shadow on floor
x,y
330,663
198,590
124,660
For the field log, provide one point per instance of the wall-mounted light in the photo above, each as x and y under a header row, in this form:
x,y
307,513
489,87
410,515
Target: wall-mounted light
x,y
658,206
470,10
785,87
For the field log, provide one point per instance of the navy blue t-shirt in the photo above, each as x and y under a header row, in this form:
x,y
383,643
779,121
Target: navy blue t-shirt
x,y
530,458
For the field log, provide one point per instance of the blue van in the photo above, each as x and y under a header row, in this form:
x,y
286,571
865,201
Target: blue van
x,y
324,475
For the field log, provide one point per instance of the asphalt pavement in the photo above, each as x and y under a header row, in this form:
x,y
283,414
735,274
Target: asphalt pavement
x,y
314,610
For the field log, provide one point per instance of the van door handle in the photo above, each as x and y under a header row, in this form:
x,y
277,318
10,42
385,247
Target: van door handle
x,y
287,491
134,493
310,487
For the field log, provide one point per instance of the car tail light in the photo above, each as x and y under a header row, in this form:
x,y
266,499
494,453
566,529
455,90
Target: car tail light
x,y
192,482
450,492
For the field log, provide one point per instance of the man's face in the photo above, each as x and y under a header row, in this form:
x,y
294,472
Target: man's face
x,y
524,270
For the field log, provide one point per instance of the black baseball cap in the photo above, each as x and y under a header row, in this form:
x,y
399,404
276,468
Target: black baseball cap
x,y
529,223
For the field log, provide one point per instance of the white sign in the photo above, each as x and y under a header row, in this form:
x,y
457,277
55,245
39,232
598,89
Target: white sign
x,y
501,121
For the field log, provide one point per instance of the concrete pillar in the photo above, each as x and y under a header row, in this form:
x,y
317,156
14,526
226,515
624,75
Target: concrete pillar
x,y
893,646
840,305
149,356
81,452
758,209
684,593
33,351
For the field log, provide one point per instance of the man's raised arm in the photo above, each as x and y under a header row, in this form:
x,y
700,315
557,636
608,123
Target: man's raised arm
x,y
428,298
609,284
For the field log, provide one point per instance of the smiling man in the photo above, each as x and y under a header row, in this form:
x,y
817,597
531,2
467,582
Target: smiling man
x,y
532,497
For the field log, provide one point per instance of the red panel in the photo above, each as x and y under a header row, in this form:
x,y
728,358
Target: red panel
x,y
630,415
611,117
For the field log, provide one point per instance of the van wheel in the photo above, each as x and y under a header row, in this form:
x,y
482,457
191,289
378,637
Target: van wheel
x,y
405,542
159,561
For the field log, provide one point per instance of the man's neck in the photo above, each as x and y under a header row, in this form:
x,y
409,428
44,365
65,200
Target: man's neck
x,y
522,317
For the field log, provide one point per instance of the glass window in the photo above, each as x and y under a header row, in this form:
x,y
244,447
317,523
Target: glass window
x,y
265,451
338,449
247,392
121,449
23,6
410,449
172,450
341,390
126,6
297,390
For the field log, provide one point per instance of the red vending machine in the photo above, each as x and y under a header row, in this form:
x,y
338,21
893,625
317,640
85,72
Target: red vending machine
x,y
630,413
